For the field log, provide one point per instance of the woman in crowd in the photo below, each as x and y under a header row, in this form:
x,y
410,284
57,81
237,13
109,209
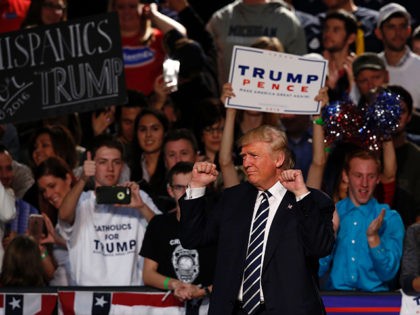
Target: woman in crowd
x,y
55,179
45,12
147,165
143,50
53,141
50,141
209,128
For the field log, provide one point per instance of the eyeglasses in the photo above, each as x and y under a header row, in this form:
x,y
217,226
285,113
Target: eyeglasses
x,y
53,6
179,187
213,129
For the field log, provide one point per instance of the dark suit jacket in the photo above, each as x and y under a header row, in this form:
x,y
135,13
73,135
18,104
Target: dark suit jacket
x,y
299,233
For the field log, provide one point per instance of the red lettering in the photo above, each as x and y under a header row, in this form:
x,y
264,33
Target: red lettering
x,y
246,81
304,89
275,86
260,84
290,88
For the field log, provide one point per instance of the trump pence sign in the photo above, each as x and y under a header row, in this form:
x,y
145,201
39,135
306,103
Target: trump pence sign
x,y
270,81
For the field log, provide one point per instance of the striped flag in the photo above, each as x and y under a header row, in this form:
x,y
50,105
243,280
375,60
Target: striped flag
x,y
127,303
27,303
369,304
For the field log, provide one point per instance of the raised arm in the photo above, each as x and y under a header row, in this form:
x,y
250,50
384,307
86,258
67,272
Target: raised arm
x,y
67,211
390,162
319,156
316,214
227,167
196,29
161,21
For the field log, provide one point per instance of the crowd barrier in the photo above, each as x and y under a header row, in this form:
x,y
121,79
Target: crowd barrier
x,y
148,301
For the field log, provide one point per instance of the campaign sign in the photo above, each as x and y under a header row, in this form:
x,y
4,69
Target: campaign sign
x,y
270,81
66,67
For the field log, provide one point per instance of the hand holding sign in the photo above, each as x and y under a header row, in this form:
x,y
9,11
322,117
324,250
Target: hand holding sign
x,y
227,92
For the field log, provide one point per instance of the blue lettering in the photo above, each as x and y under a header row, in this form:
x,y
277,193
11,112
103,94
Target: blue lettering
x,y
243,69
258,72
272,78
110,247
115,247
121,247
294,79
311,77
277,76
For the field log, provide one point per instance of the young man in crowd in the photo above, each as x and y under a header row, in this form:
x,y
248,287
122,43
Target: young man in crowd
x,y
338,35
394,30
369,241
167,265
366,22
101,238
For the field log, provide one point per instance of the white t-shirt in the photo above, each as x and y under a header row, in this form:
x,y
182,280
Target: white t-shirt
x,y
104,243
406,75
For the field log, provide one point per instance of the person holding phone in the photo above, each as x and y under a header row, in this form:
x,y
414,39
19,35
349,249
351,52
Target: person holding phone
x,y
103,237
55,179
142,44
28,221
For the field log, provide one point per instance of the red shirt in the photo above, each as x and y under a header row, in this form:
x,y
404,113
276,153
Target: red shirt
x,y
12,13
142,63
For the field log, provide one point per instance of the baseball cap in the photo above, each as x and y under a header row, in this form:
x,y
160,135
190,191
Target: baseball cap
x,y
390,9
367,61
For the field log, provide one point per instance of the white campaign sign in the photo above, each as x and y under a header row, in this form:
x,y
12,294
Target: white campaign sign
x,y
269,81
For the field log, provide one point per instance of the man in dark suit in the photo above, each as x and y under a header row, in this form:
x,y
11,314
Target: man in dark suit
x,y
296,230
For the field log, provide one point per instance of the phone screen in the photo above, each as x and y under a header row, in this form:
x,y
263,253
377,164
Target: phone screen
x,y
36,226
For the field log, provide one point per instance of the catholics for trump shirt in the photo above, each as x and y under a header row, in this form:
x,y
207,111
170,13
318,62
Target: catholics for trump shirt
x,y
353,264
104,242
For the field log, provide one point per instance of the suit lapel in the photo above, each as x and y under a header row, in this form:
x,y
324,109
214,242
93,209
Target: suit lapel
x,y
281,219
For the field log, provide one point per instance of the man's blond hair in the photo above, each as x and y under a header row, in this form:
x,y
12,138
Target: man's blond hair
x,y
272,135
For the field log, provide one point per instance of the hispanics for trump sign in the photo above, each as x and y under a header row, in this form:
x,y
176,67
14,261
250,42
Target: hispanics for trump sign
x,y
270,81
61,68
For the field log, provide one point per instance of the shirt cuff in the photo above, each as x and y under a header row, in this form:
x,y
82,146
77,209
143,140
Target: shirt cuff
x,y
194,193
302,196
379,252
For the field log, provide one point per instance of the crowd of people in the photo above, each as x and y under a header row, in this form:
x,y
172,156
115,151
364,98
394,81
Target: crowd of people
x,y
163,140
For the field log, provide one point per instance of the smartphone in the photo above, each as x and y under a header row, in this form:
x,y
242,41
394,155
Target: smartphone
x,y
170,73
36,226
113,194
